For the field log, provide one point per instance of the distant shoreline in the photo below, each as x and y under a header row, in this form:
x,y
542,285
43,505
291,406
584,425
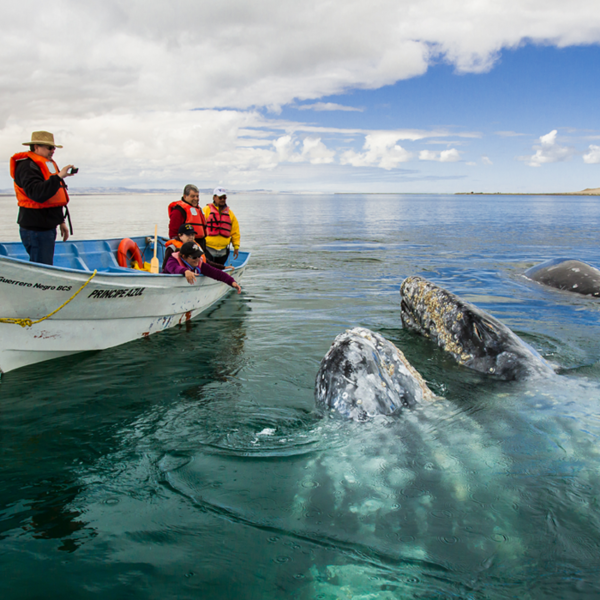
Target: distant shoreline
x,y
121,191
527,194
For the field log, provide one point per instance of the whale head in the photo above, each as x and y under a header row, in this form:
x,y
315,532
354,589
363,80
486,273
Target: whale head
x,y
364,375
474,338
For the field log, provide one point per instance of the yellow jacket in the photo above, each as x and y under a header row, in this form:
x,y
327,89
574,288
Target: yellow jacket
x,y
218,242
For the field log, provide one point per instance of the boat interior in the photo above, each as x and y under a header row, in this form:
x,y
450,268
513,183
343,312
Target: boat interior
x,y
90,255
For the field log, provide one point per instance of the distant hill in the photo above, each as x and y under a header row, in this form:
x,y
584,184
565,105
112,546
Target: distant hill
x,y
587,192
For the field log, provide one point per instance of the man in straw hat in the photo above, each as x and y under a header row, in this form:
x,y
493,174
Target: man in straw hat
x,y
41,196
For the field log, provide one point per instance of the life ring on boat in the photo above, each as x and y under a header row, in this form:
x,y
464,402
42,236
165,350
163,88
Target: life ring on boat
x,y
129,246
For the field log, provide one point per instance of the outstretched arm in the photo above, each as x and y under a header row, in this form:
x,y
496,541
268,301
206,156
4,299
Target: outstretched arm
x,y
213,273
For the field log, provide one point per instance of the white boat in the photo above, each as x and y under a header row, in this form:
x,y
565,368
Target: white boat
x,y
117,305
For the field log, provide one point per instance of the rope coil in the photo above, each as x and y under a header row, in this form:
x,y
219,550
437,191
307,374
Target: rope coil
x,y
26,322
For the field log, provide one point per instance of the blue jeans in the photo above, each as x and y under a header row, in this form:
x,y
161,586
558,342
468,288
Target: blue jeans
x,y
39,245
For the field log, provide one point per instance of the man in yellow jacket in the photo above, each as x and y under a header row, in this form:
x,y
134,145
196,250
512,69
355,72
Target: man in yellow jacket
x,y
222,228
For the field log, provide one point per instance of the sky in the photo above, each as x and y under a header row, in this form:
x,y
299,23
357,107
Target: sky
x,y
385,96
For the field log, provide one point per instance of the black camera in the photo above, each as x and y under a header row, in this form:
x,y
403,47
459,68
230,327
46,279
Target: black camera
x,y
73,170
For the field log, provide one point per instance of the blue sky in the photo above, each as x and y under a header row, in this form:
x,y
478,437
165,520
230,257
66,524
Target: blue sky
x,y
397,96
529,92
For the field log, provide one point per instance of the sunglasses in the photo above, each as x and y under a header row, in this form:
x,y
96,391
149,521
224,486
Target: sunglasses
x,y
51,148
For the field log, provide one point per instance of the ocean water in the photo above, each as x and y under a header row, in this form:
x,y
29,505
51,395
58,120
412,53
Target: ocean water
x,y
191,464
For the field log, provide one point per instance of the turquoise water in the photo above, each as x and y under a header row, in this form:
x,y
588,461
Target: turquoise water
x,y
191,464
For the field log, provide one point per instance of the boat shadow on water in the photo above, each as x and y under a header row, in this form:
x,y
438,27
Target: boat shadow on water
x,y
79,406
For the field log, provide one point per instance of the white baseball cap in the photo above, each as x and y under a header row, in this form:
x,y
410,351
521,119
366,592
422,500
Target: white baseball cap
x,y
219,192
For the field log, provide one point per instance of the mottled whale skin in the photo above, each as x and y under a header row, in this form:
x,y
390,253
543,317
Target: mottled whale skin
x,y
364,375
474,338
567,274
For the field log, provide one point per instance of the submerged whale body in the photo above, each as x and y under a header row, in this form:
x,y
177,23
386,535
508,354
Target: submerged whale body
x,y
364,375
474,338
567,274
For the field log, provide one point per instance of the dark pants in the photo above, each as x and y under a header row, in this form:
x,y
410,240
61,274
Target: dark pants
x,y
39,245
220,260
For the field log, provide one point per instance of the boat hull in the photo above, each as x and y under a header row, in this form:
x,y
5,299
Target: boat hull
x,y
111,310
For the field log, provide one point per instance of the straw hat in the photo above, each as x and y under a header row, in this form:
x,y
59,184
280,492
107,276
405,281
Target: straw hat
x,y
42,138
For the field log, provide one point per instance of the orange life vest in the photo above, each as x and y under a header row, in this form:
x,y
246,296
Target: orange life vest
x,y
61,198
219,222
193,215
176,243
177,256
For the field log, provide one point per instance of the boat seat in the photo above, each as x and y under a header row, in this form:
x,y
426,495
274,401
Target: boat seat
x,y
99,255
66,255
16,251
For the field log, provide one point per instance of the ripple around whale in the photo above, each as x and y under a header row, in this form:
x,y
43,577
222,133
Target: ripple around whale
x,y
423,494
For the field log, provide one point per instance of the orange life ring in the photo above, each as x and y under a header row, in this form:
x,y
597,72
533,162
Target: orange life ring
x,y
126,246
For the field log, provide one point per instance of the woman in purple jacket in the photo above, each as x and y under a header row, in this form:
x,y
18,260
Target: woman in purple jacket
x,y
188,262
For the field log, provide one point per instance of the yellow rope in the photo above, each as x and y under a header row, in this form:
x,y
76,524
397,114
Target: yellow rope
x,y
28,322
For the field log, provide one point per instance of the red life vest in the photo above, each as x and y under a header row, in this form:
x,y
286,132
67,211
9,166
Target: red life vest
x,y
177,256
61,198
193,215
219,223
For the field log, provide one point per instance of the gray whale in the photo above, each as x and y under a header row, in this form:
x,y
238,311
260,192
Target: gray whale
x,y
567,274
364,375
474,338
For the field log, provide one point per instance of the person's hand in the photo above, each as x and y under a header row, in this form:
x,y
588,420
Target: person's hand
x,y
64,172
236,251
64,231
237,286
191,278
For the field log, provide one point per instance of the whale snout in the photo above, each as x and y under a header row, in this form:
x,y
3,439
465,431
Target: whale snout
x,y
364,375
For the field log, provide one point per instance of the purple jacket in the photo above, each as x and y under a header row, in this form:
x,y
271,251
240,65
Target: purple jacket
x,y
175,268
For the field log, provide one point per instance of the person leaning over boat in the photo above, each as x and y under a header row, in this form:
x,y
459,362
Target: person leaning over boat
x,y
185,234
189,263
41,195
186,210
222,228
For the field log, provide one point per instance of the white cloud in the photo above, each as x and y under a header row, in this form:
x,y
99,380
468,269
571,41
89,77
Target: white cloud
x,y
328,106
77,58
125,76
450,155
315,151
508,134
381,150
486,160
312,150
548,151
593,156
161,148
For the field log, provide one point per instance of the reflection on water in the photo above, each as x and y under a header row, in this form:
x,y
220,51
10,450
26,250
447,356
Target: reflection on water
x,y
191,463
